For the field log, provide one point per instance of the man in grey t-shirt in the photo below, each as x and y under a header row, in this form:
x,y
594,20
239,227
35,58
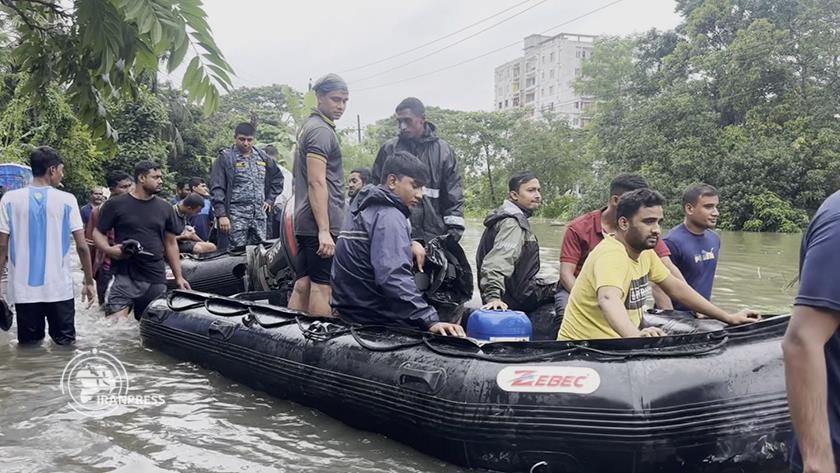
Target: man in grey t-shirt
x,y
319,197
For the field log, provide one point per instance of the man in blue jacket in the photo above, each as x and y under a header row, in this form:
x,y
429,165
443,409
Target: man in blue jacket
x,y
244,182
371,275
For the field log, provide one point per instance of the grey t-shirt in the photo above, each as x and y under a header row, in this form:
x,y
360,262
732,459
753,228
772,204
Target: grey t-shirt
x,y
317,139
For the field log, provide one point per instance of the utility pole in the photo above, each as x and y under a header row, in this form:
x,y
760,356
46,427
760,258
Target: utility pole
x,y
359,128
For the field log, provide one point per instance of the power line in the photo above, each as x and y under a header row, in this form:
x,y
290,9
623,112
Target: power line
x,y
475,58
432,53
379,61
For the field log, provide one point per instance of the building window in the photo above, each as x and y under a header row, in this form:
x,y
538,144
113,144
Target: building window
x,y
551,90
516,101
576,122
542,75
551,106
500,105
530,82
577,105
506,103
577,72
551,57
542,92
551,74
515,71
529,97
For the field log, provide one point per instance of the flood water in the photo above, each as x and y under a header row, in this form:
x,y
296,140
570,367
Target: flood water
x,y
208,423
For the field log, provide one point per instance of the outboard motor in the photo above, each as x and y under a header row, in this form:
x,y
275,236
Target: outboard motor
x,y
271,264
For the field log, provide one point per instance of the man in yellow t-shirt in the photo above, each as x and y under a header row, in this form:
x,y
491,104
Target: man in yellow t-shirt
x,y
608,298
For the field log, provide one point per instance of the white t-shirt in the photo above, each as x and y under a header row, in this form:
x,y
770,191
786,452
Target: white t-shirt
x,y
39,222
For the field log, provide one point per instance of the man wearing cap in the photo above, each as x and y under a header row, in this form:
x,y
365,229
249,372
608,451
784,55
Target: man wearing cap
x,y
244,182
319,197
442,209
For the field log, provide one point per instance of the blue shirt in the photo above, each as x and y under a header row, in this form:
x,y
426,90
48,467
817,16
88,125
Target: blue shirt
x,y
696,256
86,210
202,220
819,286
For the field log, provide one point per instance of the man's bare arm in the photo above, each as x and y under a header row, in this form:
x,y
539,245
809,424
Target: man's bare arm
x,y
805,375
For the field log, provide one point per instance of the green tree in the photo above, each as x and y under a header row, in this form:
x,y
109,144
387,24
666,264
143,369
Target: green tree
x,y
26,123
98,49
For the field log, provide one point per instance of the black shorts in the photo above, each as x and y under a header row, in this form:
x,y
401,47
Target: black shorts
x,y
31,318
309,264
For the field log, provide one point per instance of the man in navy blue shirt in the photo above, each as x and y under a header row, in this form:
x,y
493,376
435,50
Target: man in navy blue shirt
x,y
694,246
812,346
372,281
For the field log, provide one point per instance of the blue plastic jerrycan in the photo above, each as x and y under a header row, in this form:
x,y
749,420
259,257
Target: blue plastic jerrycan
x,y
499,326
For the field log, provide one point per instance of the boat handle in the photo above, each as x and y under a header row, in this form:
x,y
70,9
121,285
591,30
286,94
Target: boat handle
x,y
428,381
220,331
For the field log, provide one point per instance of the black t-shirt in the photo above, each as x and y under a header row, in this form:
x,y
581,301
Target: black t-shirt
x,y
145,221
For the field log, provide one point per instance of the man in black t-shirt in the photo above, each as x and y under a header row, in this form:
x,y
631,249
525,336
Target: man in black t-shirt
x,y
319,197
139,273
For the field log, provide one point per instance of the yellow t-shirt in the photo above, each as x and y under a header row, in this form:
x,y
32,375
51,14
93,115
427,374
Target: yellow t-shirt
x,y
609,265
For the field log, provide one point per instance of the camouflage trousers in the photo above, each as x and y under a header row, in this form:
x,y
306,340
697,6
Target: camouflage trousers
x,y
245,229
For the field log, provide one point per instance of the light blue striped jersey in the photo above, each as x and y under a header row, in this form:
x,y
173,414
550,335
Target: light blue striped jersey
x,y
39,222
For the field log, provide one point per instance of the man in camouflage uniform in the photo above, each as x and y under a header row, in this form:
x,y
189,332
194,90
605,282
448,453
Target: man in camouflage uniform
x,y
243,184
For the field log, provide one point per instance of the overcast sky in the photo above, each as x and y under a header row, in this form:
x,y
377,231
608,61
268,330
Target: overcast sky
x,y
278,42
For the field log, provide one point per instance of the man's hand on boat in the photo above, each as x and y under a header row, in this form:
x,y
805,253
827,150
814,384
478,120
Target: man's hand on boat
x,y
652,332
418,253
494,304
745,316
679,290
444,328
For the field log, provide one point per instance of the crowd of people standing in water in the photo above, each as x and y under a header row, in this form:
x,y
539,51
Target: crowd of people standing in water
x,y
358,253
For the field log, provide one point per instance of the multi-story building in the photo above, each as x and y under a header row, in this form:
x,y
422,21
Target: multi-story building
x,y
541,80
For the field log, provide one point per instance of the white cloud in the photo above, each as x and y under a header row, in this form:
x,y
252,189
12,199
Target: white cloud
x,y
290,42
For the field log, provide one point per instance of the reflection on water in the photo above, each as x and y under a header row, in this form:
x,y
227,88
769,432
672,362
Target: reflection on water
x,y
211,424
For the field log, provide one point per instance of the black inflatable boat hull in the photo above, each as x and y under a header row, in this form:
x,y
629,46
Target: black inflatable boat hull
x,y
711,402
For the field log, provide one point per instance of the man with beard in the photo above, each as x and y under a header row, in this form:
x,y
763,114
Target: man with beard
x,y
97,196
694,246
442,209
145,227
588,230
372,278
608,298
359,178
319,196
508,256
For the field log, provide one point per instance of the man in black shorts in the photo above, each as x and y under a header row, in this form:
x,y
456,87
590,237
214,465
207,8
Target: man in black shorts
x,y
139,273
319,197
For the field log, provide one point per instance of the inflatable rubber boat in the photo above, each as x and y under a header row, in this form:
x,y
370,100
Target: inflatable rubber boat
x,y
266,271
694,402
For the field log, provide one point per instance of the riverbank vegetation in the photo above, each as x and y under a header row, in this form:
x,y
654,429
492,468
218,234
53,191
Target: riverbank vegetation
x,y
742,94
